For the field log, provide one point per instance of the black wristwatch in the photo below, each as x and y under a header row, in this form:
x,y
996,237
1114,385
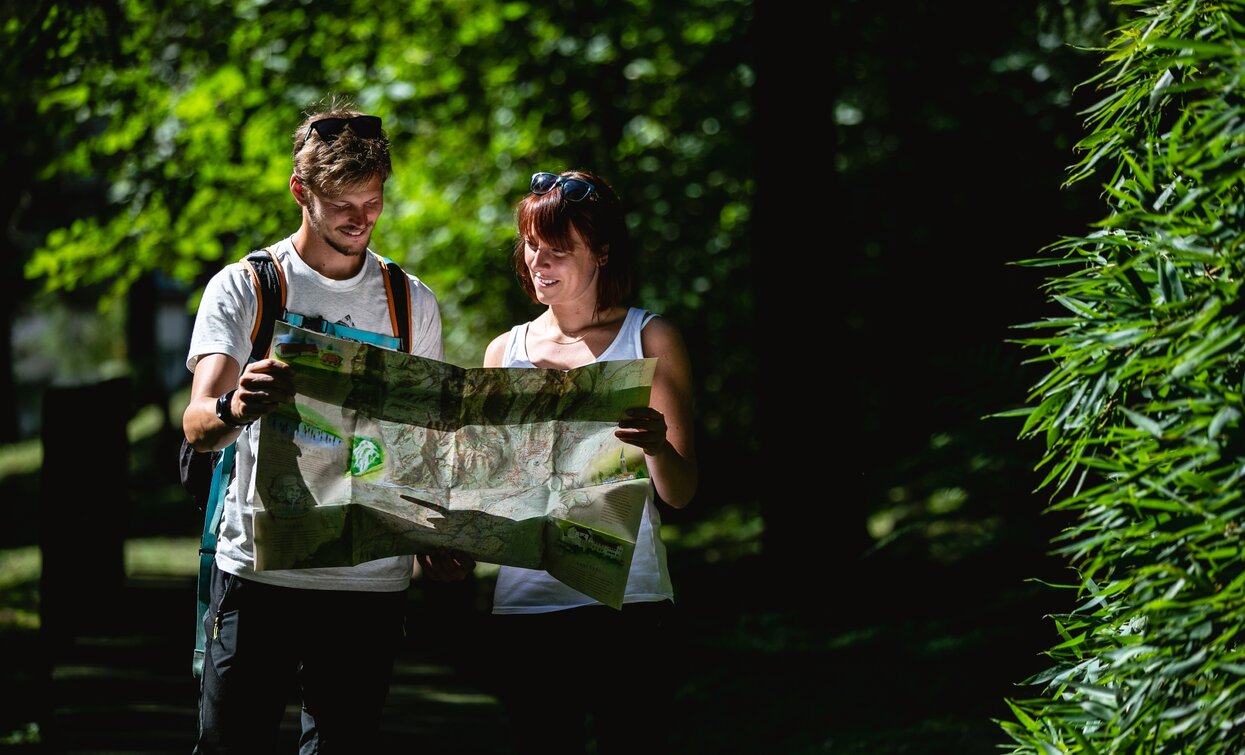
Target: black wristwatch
x,y
225,413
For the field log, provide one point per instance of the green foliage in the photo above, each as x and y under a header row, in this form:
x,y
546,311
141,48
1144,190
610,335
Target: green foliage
x,y
1141,408
176,117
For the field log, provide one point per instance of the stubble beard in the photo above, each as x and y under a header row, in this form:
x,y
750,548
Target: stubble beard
x,y
323,230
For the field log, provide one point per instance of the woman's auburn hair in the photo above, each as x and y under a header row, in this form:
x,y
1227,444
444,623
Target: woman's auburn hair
x,y
598,219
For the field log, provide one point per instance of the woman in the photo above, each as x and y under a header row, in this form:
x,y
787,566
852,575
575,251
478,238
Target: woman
x,y
569,657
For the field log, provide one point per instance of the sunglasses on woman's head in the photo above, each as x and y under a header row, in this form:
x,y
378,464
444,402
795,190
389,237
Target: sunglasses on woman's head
x,y
573,189
363,126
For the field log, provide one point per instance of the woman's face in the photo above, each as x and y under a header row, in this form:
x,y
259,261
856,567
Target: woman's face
x,y
562,275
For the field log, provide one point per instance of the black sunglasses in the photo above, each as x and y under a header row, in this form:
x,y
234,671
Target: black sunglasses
x,y
573,189
364,126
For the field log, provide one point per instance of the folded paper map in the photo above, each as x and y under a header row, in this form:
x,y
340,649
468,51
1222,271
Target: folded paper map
x,y
383,453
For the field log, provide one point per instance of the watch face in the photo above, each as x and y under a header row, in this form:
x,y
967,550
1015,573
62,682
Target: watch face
x,y
222,409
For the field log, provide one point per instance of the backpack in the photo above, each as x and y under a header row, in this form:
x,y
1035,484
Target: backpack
x,y
206,475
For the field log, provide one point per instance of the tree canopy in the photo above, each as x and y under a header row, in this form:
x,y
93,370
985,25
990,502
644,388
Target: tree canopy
x,y
169,125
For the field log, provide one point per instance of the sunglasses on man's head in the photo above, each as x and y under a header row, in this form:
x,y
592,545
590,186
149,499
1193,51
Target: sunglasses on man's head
x,y
363,126
573,189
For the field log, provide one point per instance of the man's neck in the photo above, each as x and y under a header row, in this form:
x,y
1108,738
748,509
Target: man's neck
x,y
323,258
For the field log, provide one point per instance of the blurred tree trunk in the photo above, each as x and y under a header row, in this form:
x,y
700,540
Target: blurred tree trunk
x,y
810,419
895,164
18,170
8,307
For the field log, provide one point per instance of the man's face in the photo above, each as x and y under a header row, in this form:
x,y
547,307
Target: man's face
x,y
345,222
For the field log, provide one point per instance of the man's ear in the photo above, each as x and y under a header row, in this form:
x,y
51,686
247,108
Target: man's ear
x,y
298,190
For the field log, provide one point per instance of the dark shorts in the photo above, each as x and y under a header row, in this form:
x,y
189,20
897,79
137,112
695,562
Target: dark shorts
x,y
330,650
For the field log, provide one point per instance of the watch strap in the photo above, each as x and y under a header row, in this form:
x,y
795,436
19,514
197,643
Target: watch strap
x,y
224,409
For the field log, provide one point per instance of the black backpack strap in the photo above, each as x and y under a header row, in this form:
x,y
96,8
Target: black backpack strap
x,y
398,289
269,283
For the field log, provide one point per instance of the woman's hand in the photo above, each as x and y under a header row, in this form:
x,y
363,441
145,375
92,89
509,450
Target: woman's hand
x,y
644,427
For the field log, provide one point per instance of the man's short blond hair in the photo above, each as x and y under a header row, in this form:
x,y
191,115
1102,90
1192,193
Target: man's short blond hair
x,y
333,167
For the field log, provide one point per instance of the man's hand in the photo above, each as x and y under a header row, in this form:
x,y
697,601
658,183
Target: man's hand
x,y
263,385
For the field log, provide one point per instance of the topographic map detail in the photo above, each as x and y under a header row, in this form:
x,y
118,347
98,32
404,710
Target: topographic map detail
x,y
383,453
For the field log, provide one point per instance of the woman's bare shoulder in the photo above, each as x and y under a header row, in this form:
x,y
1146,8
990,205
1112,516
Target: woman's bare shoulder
x,y
660,334
496,350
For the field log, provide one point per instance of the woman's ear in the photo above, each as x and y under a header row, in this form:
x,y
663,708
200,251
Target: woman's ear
x,y
604,257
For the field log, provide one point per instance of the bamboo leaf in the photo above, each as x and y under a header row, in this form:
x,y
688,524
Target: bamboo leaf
x,y
1164,81
1222,417
1101,695
1169,282
1141,403
1143,422
1197,47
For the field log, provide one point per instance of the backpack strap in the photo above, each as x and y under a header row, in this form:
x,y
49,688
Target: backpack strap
x,y
269,282
207,548
270,288
398,289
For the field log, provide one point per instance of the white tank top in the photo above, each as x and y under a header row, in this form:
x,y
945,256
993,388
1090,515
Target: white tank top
x,y
534,591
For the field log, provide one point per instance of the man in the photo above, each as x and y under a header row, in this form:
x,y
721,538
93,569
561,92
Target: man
x,y
333,632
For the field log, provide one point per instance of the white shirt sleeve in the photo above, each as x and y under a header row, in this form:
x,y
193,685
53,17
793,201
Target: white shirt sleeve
x,y
425,322
226,317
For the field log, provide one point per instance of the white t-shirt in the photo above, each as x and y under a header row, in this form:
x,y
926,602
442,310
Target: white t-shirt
x,y
223,325
521,590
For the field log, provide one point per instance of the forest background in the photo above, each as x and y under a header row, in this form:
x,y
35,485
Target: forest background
x,y
828,206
